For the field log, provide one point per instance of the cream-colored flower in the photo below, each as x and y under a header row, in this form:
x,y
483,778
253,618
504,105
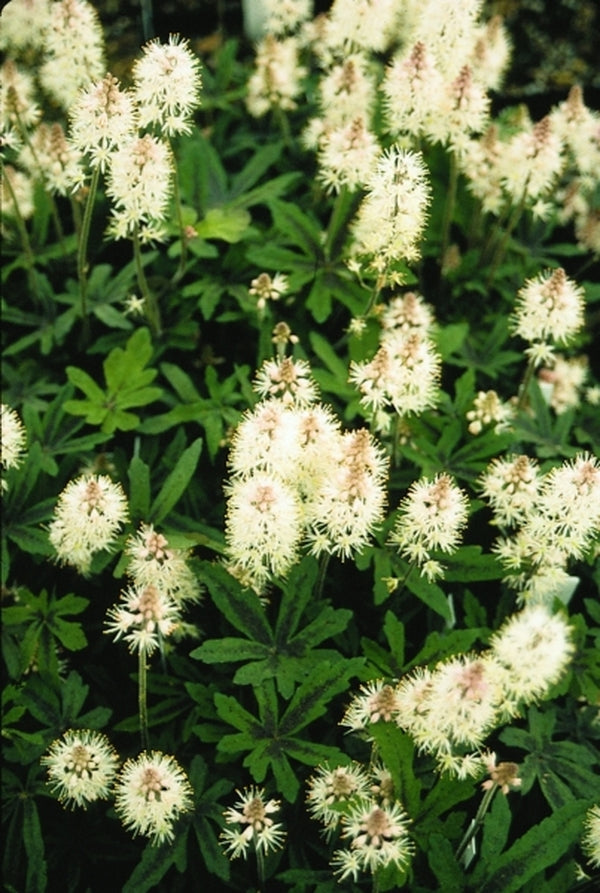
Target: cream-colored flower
x,y
74,50
254,826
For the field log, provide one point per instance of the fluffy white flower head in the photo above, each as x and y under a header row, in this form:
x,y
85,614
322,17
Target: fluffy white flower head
x,y
12,439
535,647
151,793
139,185
87,518
81,767
392,216
431,518
144,617
549,307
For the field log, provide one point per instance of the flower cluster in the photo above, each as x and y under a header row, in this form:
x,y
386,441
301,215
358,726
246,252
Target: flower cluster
x,y
510,486
73,48
431,518
296,477
266,288
87,518
151,792
12,440
252,825
378,837
562,383
360,804
139,185
450,710
558,520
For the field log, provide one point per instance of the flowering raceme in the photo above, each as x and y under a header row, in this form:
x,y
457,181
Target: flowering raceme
x,y
351,501
449,710
102,119
535,647
144,617
167,85
560,523
378,838
139,184
297,478
74,50
276,81
154,562
392,216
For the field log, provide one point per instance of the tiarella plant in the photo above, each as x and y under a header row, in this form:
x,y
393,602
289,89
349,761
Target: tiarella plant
x,y
300,473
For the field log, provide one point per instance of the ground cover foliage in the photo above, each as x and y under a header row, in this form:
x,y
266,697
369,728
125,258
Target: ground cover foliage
x,y
300,477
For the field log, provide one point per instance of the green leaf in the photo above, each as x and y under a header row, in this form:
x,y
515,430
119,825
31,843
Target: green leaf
x,y
430,594
139,489
176,483
297,227
232,712
311,698
225,223
469,564
297,593
151,869
34,847
495,829
285,777
540,847
70,635
85,383
394,633
228,650
440,855
397,750
241,607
